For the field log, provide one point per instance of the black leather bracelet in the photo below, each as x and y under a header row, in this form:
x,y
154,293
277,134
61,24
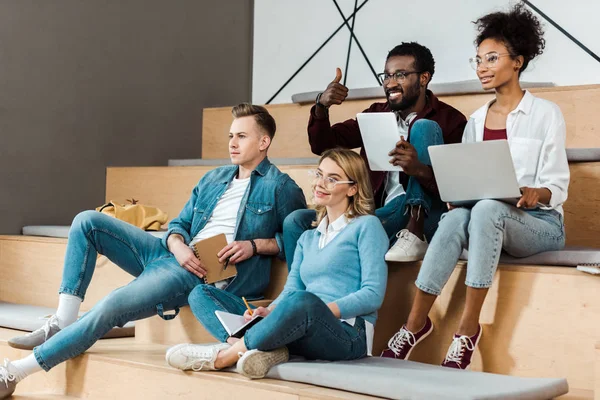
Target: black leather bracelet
x,y
254,250
318,102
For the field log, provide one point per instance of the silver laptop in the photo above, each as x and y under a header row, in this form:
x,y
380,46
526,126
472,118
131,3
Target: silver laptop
x,y
469,172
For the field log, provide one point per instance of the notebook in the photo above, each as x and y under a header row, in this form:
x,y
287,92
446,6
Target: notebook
x,y
236,325
593,269
206,250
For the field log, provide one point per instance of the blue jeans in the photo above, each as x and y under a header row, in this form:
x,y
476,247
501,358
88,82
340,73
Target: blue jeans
x,y
161,283
395,214
301,321
485,230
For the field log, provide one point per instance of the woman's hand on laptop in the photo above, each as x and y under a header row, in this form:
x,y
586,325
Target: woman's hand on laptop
x,y
262,311
529,198
534,197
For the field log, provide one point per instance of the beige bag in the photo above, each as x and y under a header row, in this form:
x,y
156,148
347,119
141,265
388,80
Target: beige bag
x,y
145,217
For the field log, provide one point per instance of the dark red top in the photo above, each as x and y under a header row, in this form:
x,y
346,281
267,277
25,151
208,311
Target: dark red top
x,y
494,134
324,136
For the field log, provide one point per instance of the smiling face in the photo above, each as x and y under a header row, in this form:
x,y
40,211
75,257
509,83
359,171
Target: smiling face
x,y
337,196
493,75
403,95
247,142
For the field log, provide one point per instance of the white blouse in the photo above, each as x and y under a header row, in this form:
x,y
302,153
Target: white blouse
x,y
536,135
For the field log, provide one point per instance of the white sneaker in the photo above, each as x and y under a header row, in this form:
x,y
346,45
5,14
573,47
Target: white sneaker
x,y
255,364
8,382
195,357
407,248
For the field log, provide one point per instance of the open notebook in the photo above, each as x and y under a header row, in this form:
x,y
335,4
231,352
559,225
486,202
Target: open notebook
x,y
236,325
206,250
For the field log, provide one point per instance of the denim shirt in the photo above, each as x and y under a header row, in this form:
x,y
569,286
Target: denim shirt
x,y
270,197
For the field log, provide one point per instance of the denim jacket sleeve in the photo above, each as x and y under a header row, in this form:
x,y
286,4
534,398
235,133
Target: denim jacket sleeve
x,y
183,223
289,198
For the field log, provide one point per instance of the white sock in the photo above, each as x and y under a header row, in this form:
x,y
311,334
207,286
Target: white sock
x,y
68,309
24,367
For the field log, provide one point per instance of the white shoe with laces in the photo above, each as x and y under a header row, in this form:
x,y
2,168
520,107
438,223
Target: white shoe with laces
x,y
195,357
407,248
37,337
8,381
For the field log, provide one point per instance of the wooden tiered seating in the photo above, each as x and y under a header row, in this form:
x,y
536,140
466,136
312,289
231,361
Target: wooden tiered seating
x,y
538,321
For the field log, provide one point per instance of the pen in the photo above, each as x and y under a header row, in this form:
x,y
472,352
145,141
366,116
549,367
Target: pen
x,y
247,305
226,263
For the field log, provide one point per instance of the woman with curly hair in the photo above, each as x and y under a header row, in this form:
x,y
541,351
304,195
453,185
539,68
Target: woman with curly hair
x,y
535,130
329,305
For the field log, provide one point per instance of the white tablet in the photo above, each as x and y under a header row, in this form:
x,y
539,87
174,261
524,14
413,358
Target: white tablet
x,y
380,134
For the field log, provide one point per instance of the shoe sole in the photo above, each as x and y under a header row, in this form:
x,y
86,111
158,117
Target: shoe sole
x,y
20,346
404,259
419,341
258,364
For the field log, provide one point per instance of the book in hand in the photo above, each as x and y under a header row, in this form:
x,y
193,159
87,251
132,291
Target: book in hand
x,y
236,325
206,250
593,269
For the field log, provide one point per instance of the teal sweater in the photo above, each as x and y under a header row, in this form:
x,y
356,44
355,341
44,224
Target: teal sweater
x,y
350,270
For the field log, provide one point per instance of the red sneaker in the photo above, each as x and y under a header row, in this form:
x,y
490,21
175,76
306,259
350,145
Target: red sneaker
x,y
402,343
461,351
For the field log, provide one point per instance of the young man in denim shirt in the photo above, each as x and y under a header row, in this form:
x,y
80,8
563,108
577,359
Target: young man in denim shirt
x,y
247,201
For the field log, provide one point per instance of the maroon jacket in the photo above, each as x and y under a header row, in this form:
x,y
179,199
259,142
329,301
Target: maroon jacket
x,y
322,136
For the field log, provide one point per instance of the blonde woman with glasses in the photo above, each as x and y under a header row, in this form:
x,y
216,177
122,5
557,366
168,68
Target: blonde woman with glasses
x,y
329,305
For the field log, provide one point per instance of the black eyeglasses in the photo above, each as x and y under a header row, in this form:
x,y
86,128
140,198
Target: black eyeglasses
x,y
398,76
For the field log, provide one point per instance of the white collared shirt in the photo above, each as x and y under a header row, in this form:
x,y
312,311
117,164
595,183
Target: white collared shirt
x,y
536,133
328,232
393,188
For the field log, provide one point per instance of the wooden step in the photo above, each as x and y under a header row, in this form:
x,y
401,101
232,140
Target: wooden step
x,y
577,103
582,215
597,371
24,257
169,188
121,368
528,321
529,315
31,269
537,321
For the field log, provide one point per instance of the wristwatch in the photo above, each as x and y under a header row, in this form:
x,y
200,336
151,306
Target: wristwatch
x,y
318,102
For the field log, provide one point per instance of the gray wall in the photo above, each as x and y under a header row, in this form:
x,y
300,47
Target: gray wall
x,y
86,84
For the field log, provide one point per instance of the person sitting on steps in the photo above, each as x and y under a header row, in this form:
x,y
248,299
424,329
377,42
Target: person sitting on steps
x,y
536,133
409,204
329,305
247,201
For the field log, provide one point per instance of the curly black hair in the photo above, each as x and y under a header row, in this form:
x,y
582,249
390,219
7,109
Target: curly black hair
x,y
519,30
423,58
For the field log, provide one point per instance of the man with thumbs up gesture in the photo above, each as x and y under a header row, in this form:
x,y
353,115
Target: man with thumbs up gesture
x,y
409,202
335,93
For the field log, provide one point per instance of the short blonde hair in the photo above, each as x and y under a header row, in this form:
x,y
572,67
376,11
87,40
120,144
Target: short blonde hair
x,y
261,115
362,203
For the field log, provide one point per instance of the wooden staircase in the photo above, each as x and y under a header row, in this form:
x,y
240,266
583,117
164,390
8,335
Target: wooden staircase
x,y
538,321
